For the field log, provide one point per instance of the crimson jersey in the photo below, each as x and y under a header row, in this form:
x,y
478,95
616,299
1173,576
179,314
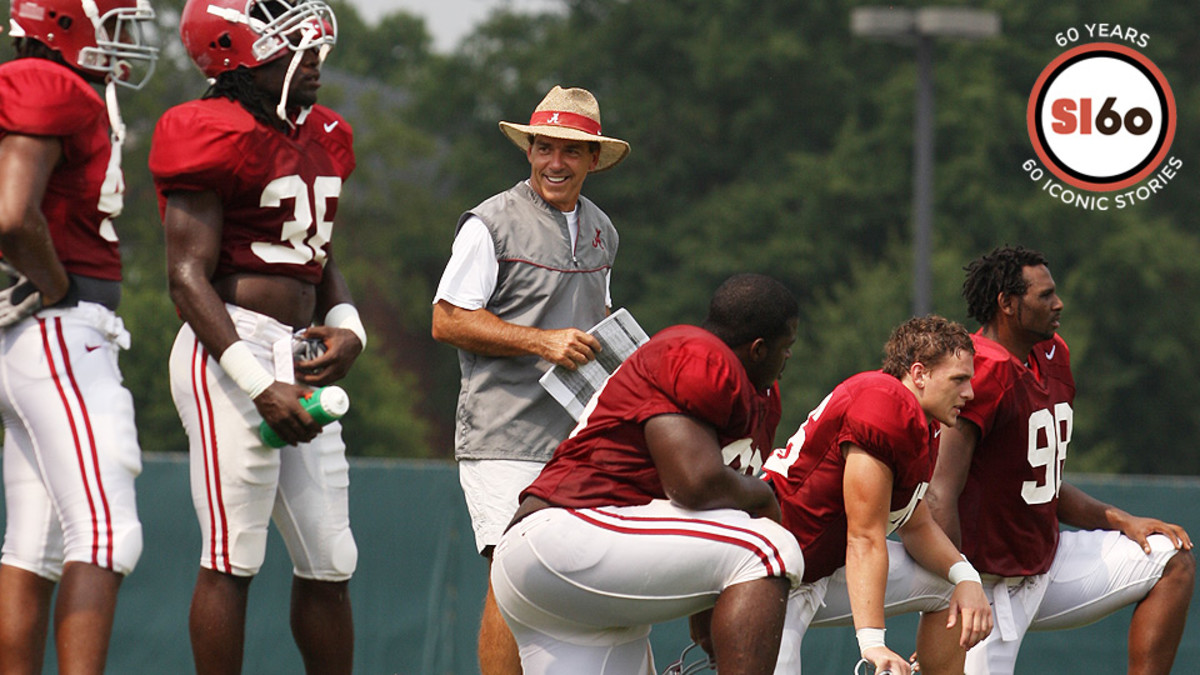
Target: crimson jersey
x,y
279,191
875,412
683,370
86,190
1008,507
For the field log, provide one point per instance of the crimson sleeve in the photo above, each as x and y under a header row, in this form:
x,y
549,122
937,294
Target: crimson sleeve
x,y
196,150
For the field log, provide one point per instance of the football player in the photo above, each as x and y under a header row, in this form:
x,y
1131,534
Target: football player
x,y
70,445
998,488
248,179
648,511
854,473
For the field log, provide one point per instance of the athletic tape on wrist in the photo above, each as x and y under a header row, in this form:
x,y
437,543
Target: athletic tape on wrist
x,y
963,571
869,638
346,316
240,365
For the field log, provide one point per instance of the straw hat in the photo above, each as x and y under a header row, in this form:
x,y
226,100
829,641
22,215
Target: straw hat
x,y
571,114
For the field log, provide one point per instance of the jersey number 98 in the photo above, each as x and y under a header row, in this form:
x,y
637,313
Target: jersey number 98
x,y
1049,435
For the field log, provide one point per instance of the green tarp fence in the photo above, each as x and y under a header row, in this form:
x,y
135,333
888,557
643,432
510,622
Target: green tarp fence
x,y
419,586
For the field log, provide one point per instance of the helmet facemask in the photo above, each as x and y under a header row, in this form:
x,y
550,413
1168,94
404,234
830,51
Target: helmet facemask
x,y
124,51
299,27
309,24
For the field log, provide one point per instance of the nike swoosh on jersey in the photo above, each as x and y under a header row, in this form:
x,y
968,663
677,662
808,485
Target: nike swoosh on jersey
x,y
1050,354
329,126
91,348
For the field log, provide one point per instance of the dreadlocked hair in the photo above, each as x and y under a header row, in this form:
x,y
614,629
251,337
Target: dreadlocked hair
x,y
30,48
998,272
927,340
238,85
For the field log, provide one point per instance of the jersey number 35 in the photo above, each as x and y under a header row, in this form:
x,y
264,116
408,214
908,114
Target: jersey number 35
x,y
297,247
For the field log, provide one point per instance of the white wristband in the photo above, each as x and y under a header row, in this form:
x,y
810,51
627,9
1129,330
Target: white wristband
x,y
963,571
869,638
239,364
346,316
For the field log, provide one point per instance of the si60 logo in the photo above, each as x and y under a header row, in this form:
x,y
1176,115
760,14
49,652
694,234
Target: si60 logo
x,y
1101,117
1108,121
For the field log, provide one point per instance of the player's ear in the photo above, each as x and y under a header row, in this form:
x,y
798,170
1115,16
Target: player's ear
x,y
758,350
918,372
1007,303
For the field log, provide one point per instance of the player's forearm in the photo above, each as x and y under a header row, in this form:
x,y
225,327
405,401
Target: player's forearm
x,y
727,489
928,544
866,578
943,511
30,250
956,450
203,310
332,291
687,454
1079,509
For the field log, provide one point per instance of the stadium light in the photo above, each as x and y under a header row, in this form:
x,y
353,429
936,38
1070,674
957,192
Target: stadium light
x,y
919,28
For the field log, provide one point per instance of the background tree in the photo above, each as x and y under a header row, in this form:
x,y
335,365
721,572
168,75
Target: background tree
x,y
765,138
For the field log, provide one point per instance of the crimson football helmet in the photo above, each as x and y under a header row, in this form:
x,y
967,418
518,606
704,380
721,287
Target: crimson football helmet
x,y
221,35
108,37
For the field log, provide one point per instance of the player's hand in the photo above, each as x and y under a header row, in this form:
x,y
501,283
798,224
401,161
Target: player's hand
x,y
569,347
771,510
970,602
341,349
1139,529
20,299
280,407
887,661
700,627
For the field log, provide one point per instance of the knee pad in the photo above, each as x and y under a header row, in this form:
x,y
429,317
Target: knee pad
x,y
50,569
127,549
340,560
119,555
247,551
33,544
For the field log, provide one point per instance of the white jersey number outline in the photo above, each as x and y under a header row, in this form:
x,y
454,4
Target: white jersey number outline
x,y
742,451
112,194
296,247
1049,436
783,458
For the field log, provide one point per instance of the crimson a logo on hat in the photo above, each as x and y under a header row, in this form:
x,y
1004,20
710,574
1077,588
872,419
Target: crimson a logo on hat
x,y
1101,117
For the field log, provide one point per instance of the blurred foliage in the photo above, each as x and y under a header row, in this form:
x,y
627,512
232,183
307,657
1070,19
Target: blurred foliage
x,y
765,138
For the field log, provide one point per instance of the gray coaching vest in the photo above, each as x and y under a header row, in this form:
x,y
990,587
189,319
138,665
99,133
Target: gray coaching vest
x,y
503,413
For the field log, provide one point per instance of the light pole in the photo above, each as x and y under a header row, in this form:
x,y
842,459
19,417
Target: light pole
x,y
919,27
